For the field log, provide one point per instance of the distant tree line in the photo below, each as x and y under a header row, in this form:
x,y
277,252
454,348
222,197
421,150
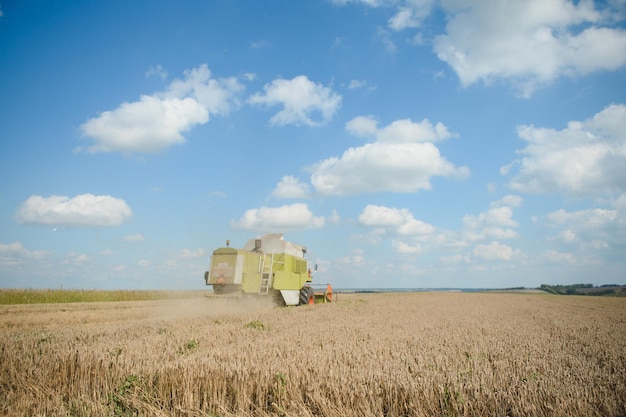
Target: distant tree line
x,y
585,289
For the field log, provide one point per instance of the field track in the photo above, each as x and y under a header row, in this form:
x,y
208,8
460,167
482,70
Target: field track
x,y
396,354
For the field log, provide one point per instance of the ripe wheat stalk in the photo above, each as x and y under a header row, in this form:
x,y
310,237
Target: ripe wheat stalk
x,y
419,354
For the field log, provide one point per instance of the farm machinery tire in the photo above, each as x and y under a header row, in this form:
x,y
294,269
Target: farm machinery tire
x,y
306,295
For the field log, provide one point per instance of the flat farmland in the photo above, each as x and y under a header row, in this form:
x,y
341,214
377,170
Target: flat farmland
x,y
386,354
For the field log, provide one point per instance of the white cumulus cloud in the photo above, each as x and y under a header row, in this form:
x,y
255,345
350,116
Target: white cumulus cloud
x,y
494,251
401,221
405,248
374,215
585,158
287,217
508,201
495,216
529,42
362,126
303,101
495,223
291,187
14,254
590,229
406,131
402,158
410,14
157,121
147,125
355,259
74,258
82,210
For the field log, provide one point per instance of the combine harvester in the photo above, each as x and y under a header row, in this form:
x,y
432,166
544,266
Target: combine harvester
x,y
270,266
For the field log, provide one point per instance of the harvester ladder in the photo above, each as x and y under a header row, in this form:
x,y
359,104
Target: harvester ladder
x,y
267,269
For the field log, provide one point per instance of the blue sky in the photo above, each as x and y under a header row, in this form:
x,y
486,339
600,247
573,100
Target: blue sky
x,y
406,143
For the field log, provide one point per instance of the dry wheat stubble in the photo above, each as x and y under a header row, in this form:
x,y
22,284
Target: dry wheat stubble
x,y
369,354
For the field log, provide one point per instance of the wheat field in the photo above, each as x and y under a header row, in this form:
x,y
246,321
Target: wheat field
x,y
397,354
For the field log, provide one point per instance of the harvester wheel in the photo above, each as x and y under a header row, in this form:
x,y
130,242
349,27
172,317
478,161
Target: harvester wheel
x,y
306,295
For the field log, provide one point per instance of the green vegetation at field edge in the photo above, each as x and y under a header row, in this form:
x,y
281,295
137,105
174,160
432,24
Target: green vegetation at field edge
x,y
586,289
51,296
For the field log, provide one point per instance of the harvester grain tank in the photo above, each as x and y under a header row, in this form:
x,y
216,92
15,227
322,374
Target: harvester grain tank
x,y
268,265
